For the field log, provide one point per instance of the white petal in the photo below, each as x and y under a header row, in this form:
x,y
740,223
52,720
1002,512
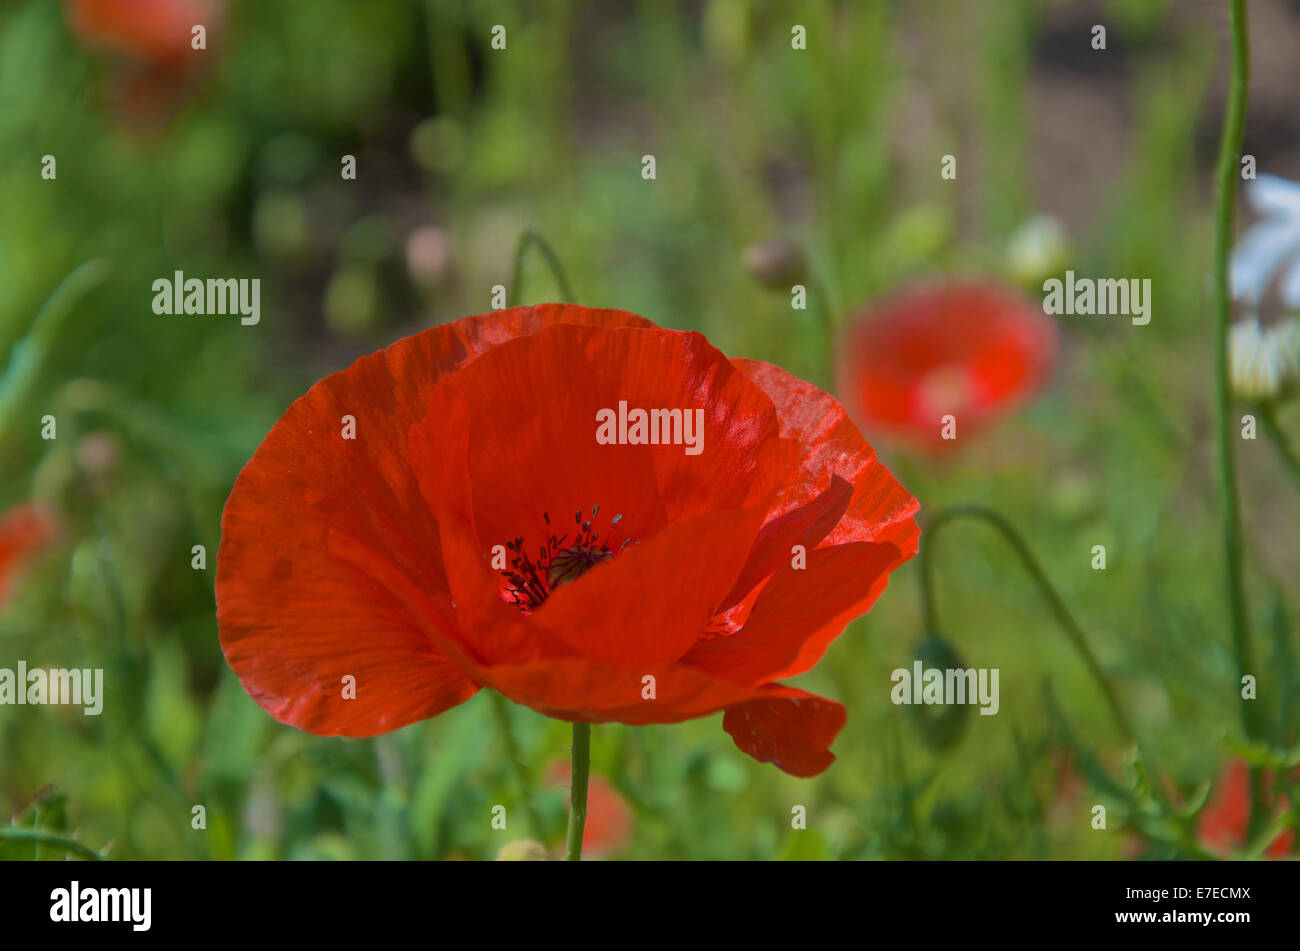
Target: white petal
x,y
1273,195
1290,289
1258,254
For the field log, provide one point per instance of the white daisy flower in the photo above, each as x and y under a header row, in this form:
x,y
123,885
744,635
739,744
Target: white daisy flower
x,y
1270,248
1263,362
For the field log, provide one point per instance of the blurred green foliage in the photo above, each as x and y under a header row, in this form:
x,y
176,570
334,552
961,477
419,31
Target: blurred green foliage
x,y
836,147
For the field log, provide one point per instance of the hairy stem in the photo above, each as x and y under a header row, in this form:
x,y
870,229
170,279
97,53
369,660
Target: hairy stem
x,y
1234,125
39,837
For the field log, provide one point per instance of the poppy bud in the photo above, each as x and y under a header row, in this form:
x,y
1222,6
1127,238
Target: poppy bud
x,y
571,564
428,257
941,726
98,454
776,263
1037,250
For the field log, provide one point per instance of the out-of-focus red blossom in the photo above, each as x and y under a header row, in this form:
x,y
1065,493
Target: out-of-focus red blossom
x,y
641,584
1067,785
152,43
1223,823
609,818
972,349
25,531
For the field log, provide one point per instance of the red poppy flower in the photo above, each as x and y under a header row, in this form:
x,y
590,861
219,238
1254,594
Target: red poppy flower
x,y
24,531
152,40
148,32
609,818
1223,823
475,533
970,349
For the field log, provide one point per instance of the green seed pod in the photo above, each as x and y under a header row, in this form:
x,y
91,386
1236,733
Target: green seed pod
x,y
941,726
571,564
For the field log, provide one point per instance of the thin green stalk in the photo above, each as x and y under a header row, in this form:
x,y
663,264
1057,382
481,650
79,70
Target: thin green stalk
x,y
1268,416
526,239
39,837
501,710
826,320
26,368
1234,125
578,792
1063,616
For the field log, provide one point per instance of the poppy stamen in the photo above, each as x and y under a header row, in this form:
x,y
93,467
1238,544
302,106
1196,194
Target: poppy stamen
x,y
529,582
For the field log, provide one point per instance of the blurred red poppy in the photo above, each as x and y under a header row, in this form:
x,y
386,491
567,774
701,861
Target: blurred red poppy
x,y
970,349
152,40
475,533
1223,823
609,818
25,530
153,32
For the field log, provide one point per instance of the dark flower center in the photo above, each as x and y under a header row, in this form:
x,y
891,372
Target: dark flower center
x,y
529,581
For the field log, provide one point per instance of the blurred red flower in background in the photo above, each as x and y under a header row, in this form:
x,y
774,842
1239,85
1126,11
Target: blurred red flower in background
x,y
1222,826
609,818
972,349
25,531
152,41
475,534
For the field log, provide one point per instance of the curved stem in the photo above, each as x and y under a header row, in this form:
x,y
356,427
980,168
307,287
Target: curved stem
x,y
578,791
501,710
40,837
1268,416
531,237
1063,615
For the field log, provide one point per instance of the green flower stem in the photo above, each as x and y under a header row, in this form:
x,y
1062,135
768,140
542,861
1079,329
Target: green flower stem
x,y
1268,416
39,837
826,321
532,238
1234,124
1063,615
501,710
578,791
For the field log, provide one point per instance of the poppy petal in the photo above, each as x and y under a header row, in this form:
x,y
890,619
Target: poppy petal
x,y
314,534
581,690
799,613
330,557
806,525
659,595
534,402
881,510
789,728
